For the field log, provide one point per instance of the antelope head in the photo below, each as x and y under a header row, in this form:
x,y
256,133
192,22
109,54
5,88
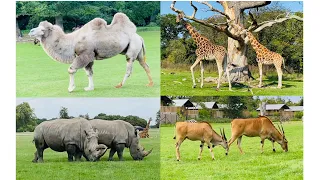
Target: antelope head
x,y
283,142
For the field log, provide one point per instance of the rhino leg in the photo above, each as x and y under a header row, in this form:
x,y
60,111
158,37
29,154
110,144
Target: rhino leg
x,y
35,157
111,153
78,155
71,150
38,155
120,148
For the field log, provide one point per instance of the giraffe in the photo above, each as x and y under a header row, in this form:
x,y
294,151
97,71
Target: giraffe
x,y
145,131
206,51
265,56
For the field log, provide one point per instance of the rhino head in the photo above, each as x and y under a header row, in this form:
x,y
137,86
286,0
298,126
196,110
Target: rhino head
x,y
137,152
92,150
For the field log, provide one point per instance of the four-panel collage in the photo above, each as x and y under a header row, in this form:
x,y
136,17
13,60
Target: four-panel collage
x,y
159,90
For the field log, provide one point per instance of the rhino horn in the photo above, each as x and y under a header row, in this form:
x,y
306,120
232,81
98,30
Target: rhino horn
x,y
146,153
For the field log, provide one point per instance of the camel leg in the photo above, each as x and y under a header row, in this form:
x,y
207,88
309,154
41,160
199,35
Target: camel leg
x,y
89,73
279,71
72,85
128,72
145,66
260,74
192,74
220,70
202,70
201,149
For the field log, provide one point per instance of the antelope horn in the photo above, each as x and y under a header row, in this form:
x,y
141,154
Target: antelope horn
x,y
279,128
221,133
282,129
146,153
224,134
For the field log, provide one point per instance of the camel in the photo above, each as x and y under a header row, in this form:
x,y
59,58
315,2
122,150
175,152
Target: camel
x,y
94,41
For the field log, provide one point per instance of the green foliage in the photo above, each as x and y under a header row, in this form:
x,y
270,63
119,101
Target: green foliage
x,y
298,115
134,120
204,113
63,113
25,118
158,119
74,13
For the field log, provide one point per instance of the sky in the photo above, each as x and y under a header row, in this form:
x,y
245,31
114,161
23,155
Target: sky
x,y
294,6
50,107
292,98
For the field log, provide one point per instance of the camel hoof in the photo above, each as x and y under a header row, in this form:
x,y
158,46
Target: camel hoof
x,y
70,89
89,88
217,89
279,87
273,150
150,84
194,86
199,158
201,86
119,85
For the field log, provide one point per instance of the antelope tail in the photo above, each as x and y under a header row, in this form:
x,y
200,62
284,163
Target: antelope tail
x,y
174,132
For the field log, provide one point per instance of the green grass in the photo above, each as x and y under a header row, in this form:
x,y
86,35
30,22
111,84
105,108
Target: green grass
x,y
56,165
173,84
251,165
37,75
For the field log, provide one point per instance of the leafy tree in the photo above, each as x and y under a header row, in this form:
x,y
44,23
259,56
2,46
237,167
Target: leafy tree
x,y
64,113
158,118
25,118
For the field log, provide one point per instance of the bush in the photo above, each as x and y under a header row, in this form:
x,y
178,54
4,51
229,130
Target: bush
x,y
298,115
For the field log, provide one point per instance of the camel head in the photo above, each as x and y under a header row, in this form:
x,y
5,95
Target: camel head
x,y
42,31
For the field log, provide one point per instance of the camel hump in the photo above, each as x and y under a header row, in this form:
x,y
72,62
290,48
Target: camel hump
x,y
122,22
98,24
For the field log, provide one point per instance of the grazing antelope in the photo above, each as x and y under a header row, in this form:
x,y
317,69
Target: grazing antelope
x,y
262,127
199,131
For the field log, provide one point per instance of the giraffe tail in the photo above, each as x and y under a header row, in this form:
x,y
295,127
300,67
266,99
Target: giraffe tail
x,y
284,67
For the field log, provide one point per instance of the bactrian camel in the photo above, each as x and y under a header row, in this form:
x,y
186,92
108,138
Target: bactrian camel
x,y
94,41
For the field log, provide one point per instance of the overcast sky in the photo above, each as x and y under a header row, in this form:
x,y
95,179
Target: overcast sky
x,y
50,107
286,98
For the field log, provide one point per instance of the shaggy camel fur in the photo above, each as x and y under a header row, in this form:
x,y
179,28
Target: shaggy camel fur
x,y
94,41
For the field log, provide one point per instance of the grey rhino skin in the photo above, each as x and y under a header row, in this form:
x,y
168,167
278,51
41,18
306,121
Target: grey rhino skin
x,y
76,136
117,135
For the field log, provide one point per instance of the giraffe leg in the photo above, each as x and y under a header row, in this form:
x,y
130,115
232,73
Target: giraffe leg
x,y
228,76
220,70
260,73
202,70
192,73
279,71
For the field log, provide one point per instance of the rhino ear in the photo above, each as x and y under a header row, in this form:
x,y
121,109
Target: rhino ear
x,y
85,132
95,130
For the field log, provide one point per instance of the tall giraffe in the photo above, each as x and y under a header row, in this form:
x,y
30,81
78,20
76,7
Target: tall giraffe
x,y
265,56
145,132
205,51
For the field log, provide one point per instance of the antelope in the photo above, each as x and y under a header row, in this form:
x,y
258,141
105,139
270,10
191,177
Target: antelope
x,y
262,127
199,131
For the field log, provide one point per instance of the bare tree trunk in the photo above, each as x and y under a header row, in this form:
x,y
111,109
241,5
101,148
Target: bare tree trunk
x,y
263,108
18,32
59,21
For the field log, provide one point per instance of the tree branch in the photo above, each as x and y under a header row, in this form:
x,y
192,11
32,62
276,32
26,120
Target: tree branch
x,y
272,22
214,9
252,4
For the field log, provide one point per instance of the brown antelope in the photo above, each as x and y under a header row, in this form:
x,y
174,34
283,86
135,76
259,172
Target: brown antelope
x,y
253,127
199,131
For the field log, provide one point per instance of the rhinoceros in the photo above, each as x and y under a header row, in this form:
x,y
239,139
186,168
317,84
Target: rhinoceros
x,y
76,136
117,135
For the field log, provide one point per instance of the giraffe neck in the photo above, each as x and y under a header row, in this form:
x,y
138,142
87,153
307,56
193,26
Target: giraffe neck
x,y
256,45
194,34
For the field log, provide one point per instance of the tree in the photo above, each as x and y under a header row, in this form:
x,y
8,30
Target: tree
x,y
158,118
64,113
25,118
235,105
234,28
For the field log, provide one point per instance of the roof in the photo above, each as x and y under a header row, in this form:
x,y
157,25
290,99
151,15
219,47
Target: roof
x,y
222,106
295,108
182,102
270,107
208,105
166,99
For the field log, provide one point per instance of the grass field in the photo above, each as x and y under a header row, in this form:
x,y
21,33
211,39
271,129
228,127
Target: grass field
x,y
56,165
37,75
173,84
251,165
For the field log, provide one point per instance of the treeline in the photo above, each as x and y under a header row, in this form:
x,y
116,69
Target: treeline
x,y
26,120
70,14
234,106
286,38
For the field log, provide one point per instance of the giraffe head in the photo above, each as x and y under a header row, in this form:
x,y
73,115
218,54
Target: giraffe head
x,y
249,37
179,17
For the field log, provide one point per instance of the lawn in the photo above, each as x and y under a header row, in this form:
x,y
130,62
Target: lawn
x,y
251,165
179,83
37,75
56,165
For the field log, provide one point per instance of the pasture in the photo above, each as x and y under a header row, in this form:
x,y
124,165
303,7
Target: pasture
x,y
180,83
56,165
250,165
37,75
